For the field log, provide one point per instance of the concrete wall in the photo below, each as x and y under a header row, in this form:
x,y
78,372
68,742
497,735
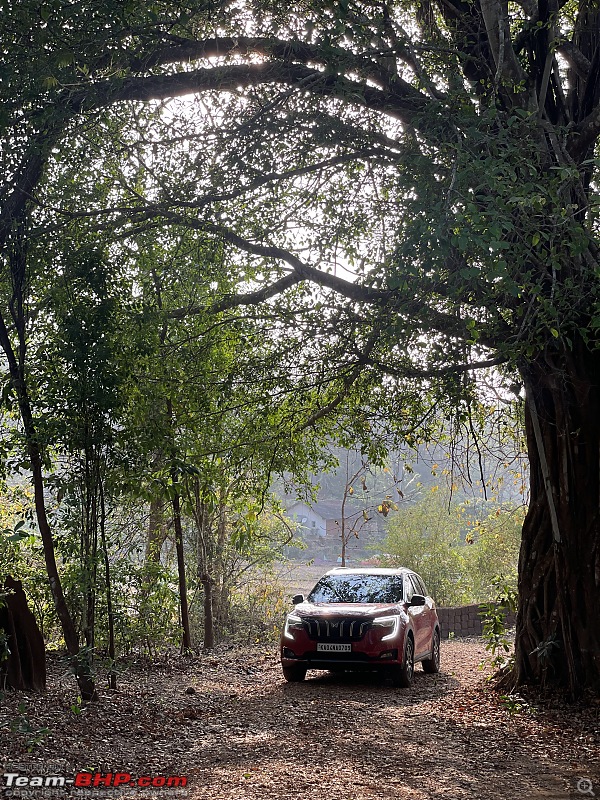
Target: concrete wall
x,y
463,621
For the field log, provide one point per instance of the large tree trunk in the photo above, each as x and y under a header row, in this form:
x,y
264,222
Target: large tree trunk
x,y
558,622
24,666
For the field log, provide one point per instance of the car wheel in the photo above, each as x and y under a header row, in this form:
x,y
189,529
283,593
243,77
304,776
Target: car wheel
x,y
294,674
433,664
402,676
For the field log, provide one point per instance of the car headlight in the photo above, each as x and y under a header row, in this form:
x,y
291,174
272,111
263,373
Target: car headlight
x,y
292,622
389,623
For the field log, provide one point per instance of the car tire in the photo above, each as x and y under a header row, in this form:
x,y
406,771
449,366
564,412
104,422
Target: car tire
x,y
294,674
403,676
432,664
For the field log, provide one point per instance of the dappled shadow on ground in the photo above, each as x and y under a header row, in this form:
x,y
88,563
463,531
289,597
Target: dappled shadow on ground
x,y
231,724
350,736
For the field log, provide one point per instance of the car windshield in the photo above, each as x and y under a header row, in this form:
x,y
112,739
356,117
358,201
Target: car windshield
x,y
357,589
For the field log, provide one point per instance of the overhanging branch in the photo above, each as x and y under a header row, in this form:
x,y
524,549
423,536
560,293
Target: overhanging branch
x,y
399,99
233,301
348,381
389,302
450,369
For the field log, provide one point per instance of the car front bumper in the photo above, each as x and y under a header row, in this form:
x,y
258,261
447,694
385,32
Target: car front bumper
x,y
368,653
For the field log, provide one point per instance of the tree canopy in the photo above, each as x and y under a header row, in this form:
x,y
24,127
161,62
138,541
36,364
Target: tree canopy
x,y
397,194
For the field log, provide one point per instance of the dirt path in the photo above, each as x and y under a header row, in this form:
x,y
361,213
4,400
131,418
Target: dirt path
x,y
238,732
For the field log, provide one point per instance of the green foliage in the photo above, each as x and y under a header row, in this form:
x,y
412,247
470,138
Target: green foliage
x,y
493,542
83,353
76,707
241,553
495,633
457,553
4,639
146,608
257,605
426,537
21,555
515,704
32,736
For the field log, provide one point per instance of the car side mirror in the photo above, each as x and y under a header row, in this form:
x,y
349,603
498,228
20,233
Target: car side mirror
x,y
417,600
297,598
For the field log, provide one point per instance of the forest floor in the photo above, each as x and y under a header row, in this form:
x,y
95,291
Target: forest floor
x,y
231,726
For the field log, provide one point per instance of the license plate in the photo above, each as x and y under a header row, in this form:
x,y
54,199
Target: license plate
x,y
327,647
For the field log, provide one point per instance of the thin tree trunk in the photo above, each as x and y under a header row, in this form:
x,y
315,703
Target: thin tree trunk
x,y
203,523
112,675
90,551
219,592
209,624
80,660
183,601
156,531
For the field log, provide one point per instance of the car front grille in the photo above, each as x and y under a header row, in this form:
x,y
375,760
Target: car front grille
x,y
347,629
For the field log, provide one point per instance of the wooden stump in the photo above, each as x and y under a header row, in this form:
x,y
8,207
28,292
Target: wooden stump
x,y
25,667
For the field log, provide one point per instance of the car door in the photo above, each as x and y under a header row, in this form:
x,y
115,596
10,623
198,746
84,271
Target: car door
x,y
428,613
419,616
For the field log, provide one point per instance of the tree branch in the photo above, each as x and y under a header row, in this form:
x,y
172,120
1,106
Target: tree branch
x,y
399,100
450,369
233,301
389,301
495,17
349,381
303,271
585,134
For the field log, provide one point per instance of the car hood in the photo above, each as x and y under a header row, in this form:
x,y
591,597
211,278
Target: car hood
x,y
348,609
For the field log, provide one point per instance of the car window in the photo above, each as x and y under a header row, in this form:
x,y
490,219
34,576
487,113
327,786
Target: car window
x,y
357,589
411,587
419,585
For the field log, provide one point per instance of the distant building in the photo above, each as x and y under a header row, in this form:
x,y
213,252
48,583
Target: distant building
x,y
320,526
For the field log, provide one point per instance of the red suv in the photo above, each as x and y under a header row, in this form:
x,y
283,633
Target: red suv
x,y
374,619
